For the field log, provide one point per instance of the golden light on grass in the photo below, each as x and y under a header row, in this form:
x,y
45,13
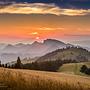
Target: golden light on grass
x,y
37,80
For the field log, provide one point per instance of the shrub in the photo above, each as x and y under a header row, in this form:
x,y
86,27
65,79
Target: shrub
x,y
83,68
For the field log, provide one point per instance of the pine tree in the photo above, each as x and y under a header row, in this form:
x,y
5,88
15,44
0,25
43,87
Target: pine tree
x,y
18,64
6,66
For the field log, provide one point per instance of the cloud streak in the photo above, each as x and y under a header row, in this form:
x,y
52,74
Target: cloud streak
x,y
78,35
50,29
41,8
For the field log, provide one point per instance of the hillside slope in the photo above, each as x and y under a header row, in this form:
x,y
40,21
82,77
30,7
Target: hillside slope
x,y
37,80
72,53
73,68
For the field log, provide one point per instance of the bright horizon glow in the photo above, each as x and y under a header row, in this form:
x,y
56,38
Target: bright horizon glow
x,y
28,22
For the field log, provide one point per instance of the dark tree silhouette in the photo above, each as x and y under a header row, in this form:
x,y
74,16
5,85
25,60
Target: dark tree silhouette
x,y
0,64
88,71
18,65
6,66
44,66
83,68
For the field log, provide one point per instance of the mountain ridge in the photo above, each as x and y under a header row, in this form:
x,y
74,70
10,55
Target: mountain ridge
x,y
31,50
77,54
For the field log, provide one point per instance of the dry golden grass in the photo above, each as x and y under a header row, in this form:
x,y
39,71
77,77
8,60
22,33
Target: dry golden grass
x,y
37,80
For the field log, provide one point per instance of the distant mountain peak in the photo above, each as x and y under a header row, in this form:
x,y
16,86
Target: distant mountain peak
x,y
36,42
9,45
19,44
53,41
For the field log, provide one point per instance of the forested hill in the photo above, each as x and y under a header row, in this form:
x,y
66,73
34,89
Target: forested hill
x,y
77,54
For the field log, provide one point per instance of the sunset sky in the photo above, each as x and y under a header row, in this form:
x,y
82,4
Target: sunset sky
x,y
29,20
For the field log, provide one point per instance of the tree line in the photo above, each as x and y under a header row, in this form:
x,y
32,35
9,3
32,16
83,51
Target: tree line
x,y
17,65
37,65
43,66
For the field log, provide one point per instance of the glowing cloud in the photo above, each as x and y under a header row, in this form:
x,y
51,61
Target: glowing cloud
x,y
37,8
41,8
50,29
34,33
75,12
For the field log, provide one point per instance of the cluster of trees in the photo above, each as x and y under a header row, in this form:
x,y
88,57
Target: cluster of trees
x,y
17,65
85,69
44,66
2,65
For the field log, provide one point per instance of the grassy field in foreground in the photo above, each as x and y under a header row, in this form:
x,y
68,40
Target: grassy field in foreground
x,y
73,68
37,80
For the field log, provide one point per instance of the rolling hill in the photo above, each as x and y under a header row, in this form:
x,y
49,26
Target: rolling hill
x,y
77,54
73,68
37,80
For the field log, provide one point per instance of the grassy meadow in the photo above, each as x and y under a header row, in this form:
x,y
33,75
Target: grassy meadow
x,y
73,68
38,80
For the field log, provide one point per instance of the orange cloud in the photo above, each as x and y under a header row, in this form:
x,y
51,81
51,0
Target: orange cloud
x,y
34,33
49,29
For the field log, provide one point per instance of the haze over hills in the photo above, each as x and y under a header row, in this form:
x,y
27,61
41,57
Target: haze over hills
x,y
75,54
83,43
11,52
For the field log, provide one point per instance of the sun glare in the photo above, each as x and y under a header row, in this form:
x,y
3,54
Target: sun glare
x,y
37,38
34,33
